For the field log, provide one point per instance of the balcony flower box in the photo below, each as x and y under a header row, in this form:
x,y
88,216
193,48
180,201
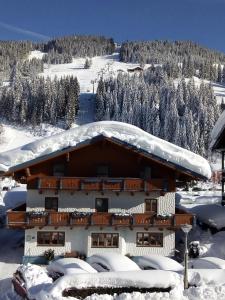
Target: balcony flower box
x,y
80,214
164,219
37,214
164,216
80,218
122,218
122,215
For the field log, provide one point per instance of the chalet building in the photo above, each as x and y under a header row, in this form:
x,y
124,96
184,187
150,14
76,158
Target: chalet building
x,y
218,144
105,186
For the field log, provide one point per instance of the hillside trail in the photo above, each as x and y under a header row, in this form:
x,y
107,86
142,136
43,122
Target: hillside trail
x,y
86,110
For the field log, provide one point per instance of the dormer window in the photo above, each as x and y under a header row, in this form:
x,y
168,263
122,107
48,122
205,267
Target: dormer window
x,y
146,173
58,170
102,171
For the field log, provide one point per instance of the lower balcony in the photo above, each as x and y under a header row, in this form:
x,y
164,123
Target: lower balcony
x,y
22,219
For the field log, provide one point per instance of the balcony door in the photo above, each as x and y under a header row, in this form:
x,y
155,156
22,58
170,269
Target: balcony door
x,y
101,205
51,203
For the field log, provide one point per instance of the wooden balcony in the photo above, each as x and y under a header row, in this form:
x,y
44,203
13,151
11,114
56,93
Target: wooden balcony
x,y
40,221
96,184
120,220
48,183
101,219
22,219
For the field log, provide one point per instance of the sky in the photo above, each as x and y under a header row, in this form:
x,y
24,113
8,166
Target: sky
x,y
202,21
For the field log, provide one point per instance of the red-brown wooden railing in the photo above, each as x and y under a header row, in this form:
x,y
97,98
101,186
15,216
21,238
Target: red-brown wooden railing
x,y
96,184
101,219
19,219
59,218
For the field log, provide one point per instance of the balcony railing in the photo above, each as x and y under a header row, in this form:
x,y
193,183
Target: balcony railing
x,y
17,219
98,184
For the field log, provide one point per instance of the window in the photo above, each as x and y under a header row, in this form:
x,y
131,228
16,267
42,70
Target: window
x,y
146,173
101,205
151,205
50,238
149,239
104,240
59,170
102,170
51,203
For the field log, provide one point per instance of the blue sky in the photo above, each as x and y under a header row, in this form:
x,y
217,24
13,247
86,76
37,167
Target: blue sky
x,y
202,21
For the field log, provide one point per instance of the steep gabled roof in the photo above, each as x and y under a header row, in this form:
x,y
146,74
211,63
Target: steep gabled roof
x,y
218,133
123,133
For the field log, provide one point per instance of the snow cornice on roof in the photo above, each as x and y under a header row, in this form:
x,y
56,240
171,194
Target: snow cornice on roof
x,y
131,135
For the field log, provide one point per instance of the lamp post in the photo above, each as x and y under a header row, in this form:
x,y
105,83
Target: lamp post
x,y
186,228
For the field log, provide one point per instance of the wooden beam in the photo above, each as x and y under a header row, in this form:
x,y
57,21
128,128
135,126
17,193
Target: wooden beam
x,y
28,172
67,156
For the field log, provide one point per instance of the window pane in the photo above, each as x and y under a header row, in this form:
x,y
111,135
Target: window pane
x,y
51,238
150,205
105,240
101,204
148,239
103,170
51,203
59,170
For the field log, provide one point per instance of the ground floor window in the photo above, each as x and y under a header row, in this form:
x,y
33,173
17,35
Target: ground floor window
x,y
104,240
50,238
149,239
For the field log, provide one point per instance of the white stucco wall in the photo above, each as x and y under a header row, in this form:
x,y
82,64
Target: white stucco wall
x,y
79,239
81,201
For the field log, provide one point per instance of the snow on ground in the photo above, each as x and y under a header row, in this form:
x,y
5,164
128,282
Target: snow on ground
x,y
11,252
207,263
36,277
192,198
102,66
157,262
35,54
219,89
141,279
16,136
210,214
214,244
13,197
122,131
113,261
209,285
71,265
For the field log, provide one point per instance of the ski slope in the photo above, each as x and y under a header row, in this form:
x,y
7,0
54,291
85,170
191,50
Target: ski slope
x,y
102,66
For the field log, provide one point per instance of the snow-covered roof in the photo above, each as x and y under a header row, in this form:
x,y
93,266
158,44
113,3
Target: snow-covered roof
x,y
122,132
217,130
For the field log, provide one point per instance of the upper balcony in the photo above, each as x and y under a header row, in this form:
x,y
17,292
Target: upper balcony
x,y
98,184
23,219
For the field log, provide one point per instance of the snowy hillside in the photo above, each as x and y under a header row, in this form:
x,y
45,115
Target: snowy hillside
x,y
104,66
